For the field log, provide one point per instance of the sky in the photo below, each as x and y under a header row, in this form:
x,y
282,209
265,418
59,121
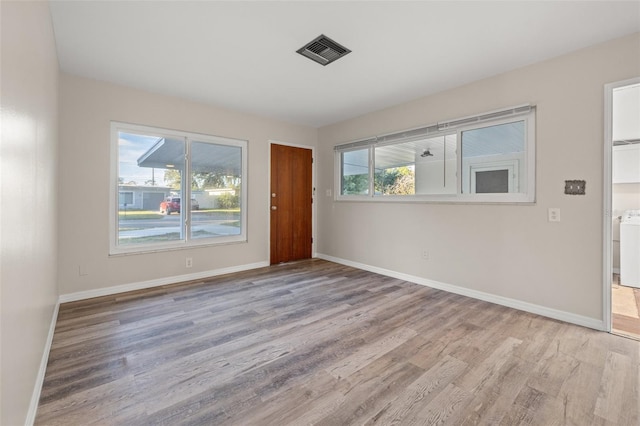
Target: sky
x,y
130,148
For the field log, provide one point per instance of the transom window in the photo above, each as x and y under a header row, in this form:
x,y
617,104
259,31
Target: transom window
x,y
175,189
487,158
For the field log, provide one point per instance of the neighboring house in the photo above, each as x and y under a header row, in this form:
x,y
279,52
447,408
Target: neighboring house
x,y
140,197
209,198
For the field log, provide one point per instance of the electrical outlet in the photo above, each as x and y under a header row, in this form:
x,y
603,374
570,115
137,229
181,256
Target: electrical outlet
x,y
188,262
425,254
554,215
83,270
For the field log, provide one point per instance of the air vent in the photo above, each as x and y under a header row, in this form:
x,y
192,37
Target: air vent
x,y
323,50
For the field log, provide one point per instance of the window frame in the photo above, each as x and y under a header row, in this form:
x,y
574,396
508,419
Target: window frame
x,y
370,184
526,113
186,241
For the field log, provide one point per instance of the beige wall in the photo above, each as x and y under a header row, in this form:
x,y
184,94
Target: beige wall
x,y
86,109
28,236
509,251
505,250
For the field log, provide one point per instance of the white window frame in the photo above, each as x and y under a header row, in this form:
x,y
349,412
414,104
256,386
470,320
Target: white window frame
x,y
370,183
186,241
524,113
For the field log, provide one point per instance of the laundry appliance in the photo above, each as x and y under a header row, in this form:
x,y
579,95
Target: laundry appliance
x,y
630,249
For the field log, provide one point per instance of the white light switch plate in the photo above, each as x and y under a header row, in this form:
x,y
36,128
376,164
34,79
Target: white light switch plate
x,y
554,214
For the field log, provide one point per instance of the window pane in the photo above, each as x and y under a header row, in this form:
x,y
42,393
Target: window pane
x,y
425,166
493,159
216,181
492,182
436,165
395,169
355,172
149,178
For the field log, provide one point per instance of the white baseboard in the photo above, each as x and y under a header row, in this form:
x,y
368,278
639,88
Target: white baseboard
x,y
107,291
37,388
616,270
487,297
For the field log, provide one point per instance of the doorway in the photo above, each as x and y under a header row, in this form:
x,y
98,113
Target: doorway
x,y
622,208
291,196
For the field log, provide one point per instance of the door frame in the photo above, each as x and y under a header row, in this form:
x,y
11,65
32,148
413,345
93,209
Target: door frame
x,y
607,193
314,207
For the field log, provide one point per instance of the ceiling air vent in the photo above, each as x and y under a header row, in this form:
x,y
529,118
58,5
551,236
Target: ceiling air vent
x,y
323,50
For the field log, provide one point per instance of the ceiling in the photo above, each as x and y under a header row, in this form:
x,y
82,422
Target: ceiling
x,y
242,55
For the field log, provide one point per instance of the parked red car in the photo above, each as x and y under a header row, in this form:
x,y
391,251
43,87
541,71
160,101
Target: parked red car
x,y
170,205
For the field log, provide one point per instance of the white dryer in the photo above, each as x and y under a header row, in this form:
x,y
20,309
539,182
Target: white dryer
x,y
630,249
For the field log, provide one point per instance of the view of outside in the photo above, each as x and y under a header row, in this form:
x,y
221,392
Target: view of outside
x,y
355,172
493,158
387,181
395,171
396,181
150,205
492,161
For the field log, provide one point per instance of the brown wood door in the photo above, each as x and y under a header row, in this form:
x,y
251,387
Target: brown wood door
x,y
291,203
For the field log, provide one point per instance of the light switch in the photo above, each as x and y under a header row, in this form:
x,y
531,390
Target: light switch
x,y
554,214
575,187
328,192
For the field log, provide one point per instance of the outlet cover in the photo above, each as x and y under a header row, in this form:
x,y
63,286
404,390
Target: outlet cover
x,y
83,270
574,187
554,215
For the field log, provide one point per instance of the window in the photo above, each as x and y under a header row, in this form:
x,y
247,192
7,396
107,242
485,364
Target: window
x,y
126,198
487,158
491,158
355,172
155,170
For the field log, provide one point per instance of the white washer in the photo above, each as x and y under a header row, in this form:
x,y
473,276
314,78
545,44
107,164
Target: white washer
x,y
630,249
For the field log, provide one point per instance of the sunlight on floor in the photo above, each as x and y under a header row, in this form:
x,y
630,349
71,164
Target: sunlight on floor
x,y
625,309
624,302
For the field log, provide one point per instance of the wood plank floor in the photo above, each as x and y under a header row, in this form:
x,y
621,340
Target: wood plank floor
x,y
625,322
314,342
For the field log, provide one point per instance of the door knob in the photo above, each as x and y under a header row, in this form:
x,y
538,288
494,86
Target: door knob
x,y
274,208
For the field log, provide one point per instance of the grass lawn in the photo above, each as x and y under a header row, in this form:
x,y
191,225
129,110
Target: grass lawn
x,y
155,214
139,214
235,223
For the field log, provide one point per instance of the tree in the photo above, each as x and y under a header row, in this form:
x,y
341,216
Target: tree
x,y
404,185
355,184
229,201
200,180
395,181
173,178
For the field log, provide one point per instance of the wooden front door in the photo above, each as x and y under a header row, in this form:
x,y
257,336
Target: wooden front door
x,y
291,203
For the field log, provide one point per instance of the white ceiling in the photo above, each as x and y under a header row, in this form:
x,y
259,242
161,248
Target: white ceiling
x,y
242,55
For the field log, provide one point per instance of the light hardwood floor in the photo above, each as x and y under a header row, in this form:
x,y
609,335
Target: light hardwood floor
x,y
314,342
625,309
